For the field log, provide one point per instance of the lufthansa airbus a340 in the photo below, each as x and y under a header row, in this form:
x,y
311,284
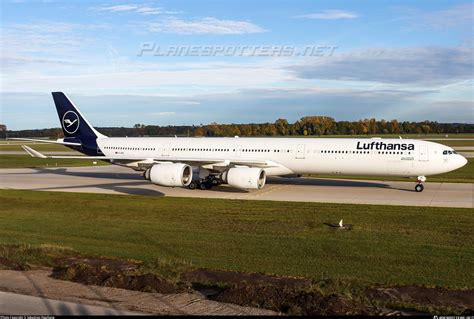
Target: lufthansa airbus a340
x,y
246,162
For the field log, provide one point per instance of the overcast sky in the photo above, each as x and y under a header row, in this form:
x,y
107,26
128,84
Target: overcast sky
x,y
247,61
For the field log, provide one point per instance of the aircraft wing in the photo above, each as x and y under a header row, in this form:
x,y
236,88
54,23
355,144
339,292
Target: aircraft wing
x,y
219,162
186,160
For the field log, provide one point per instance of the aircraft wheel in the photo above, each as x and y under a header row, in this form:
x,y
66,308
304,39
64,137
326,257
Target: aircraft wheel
x,y
192,185
208,185
419,188
215,182
202,186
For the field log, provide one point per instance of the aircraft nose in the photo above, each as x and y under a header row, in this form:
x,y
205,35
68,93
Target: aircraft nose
x,y
461,160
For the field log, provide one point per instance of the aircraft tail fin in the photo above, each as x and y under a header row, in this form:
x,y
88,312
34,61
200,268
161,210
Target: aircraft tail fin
x,y
75,126
73,123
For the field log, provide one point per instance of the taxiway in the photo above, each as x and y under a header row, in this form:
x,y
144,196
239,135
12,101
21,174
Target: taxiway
x,y
119,180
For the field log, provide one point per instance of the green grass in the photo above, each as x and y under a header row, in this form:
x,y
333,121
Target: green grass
x,y
464,174
39,147
388,245
27,255
454,143
19,161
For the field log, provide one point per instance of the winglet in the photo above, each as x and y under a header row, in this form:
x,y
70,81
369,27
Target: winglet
x,y
32,152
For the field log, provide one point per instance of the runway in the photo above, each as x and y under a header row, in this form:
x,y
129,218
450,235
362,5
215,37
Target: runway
x,y
119,180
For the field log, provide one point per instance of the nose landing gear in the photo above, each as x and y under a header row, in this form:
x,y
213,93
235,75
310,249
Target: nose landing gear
x,y
419,186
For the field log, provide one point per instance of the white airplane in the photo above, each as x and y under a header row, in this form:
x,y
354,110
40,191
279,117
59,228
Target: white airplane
x,y
246,162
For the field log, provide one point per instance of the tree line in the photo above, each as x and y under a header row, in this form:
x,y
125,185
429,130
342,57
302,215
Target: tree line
x,y
306,126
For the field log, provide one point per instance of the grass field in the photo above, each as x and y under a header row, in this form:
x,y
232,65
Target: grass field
x,y
19,161
39,147
388,244
454,143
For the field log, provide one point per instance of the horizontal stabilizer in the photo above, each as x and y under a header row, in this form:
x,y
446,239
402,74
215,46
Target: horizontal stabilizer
x,y
32,152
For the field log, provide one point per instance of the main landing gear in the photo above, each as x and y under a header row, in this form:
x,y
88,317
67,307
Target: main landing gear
x,y
205,183
419,183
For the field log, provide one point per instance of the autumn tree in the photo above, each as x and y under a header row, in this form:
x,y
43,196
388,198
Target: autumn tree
x,y
281,126
140,128
426,129
199,131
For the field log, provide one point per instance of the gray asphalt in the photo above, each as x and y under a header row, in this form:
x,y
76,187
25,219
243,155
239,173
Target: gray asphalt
x,y
16,304
119,180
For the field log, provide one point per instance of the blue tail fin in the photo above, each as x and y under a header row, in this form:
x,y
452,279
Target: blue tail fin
x,y
75,126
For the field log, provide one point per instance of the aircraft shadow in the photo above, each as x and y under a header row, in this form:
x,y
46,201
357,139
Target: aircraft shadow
x,y
115,175
121,188
227,189
138,180
325,182
334,182
91,174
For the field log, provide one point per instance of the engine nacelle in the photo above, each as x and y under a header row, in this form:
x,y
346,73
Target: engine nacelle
x,y
245,177
172,174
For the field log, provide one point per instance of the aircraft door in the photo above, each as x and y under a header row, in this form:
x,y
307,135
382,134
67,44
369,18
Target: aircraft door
x,y
423,155
239,151
300,151
165,151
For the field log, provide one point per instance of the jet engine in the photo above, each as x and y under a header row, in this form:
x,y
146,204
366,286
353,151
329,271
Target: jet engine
x,y
245,177
170,174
